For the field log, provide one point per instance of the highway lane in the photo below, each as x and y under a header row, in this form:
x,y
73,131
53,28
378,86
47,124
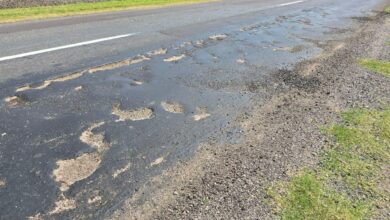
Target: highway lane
x,y
83,128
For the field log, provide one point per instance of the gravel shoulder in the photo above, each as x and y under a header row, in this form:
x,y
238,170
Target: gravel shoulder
x,y
279,134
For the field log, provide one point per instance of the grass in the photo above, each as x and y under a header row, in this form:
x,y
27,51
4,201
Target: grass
x,y
382,67
18,14
346,184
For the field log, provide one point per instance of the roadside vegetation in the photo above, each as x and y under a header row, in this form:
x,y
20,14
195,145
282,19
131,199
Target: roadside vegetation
x,y
30,13
351,178
381,67
347,184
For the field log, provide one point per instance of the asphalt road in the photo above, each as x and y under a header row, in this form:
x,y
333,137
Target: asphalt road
x,y
94,106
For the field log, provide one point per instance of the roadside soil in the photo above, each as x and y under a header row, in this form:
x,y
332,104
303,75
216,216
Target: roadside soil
x,y
280,134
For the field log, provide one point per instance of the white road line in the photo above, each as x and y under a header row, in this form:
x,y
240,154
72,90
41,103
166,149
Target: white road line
x,y
290,3
65,47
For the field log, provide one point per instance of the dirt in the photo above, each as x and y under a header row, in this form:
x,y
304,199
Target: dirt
x,y
280,134
172,107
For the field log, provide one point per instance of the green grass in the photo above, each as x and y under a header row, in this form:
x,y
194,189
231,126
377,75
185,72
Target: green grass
x,y
346,185
382,67
18,14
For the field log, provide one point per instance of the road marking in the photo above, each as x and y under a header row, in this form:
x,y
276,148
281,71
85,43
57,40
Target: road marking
x,y
290,3
66,47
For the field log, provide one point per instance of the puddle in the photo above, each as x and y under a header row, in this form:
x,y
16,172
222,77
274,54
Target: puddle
x,y
138,114
173,107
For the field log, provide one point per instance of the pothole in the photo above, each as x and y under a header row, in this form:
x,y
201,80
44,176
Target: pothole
x,y
62,205
94,140
70,171
136,83
174,58
218,37
120,171
115,65
240,61
157,161
13,100
3,183
200,114
94,200
172,107
48,82
137,114
160,51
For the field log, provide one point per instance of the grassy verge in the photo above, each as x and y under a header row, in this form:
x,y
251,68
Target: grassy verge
x,y
18,14
382,67
347,183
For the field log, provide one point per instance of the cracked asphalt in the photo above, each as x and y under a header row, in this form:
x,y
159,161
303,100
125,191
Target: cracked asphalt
x,y
85,129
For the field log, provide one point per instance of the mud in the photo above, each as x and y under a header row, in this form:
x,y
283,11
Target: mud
x,y
138,114
172,107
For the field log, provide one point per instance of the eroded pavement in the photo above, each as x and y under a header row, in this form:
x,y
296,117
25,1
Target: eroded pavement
x,y
79,144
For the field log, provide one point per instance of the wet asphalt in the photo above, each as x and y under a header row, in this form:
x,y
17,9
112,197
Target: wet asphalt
x,y
206,58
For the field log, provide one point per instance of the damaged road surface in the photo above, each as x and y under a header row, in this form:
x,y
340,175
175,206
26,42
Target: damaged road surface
x,y
93,132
